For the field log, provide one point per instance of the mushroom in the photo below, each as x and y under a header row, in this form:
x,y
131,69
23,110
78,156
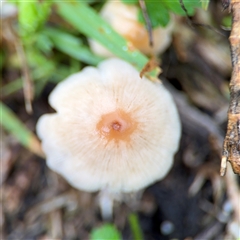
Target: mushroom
x,y
9,10
112,132
124,20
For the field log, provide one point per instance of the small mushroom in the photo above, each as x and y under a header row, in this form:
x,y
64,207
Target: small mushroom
x,y
124,20
8,10
112,131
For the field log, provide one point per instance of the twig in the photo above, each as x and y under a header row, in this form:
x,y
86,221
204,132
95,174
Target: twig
x,y
225,4
56,224
210,232
231,145
207,27
147,20
189,20
27,81
183,8
193,24
67,199
28,89
233,192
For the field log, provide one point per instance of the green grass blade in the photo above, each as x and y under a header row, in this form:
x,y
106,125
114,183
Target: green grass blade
x,y
135,227
13,125
87,21
205,4
12,87
72,46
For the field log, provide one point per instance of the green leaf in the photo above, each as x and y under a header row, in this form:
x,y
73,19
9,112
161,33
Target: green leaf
x,y
44,10
88,22
158,10
44,43
2,59
227,21
205,4
175,6
158,14
32,15
72,46
27,16
107,231
93,1
12,87
13,125
130,1
135,227
42,67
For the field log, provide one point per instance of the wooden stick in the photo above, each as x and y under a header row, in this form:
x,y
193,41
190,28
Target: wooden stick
x,y
231,145
147,21
28,88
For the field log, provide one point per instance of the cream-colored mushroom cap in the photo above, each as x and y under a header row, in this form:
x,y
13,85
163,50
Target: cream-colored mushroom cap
x,y
112,129
124,20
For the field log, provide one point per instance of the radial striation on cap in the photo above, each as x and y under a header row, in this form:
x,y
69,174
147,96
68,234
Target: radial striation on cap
x,y
112,129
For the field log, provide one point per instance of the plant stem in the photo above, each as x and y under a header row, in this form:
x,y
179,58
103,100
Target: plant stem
x,y
135,226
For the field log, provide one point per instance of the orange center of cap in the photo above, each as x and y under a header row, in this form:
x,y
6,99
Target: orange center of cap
x,y
117,126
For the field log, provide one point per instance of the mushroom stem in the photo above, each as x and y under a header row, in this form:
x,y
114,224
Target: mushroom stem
x,y
106,205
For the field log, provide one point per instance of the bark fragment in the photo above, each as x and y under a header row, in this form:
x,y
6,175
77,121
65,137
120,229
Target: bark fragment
x,y
231,145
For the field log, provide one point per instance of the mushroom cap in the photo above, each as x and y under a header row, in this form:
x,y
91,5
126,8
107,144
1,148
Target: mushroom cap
x,y
111,130
124,20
